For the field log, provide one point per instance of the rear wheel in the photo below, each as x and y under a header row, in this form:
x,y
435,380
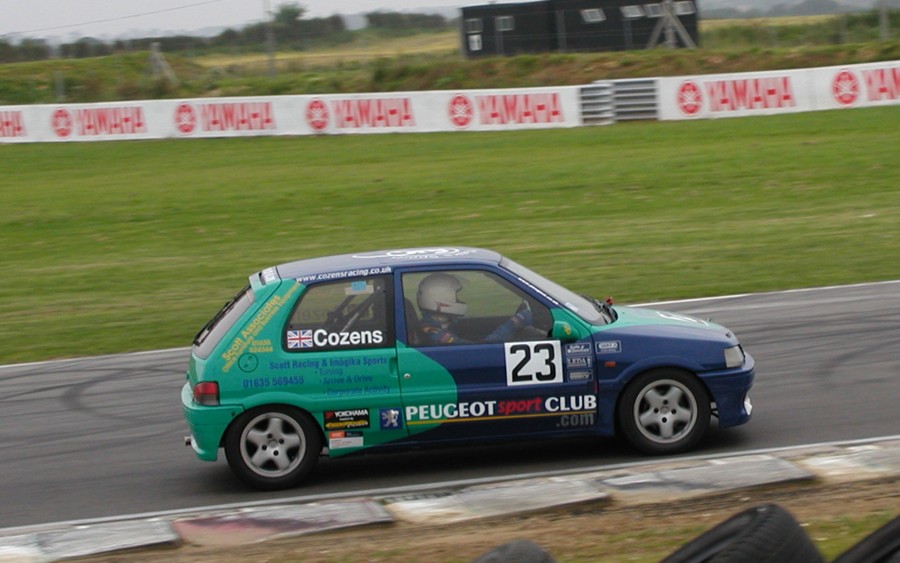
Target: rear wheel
x,y
664,411
273,447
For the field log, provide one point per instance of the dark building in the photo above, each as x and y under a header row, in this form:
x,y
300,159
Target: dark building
x,y
577,25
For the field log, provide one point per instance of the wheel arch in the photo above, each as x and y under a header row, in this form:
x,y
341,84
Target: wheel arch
x,y
626,426
267,400
630,379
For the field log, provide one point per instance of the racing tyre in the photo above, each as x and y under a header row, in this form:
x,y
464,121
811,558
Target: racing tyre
x,y
273,447
764,533
664,411
881,546
516,551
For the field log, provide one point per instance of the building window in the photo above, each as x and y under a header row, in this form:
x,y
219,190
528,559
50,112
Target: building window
x,y
684,8
593,15
504,23
654,10
632,12
474,43
473,25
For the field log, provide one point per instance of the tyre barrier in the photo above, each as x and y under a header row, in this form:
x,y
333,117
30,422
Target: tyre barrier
x,y
763,533
516,551
881,546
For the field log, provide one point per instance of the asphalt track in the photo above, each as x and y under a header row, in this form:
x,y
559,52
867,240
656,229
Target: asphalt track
x,y
102,437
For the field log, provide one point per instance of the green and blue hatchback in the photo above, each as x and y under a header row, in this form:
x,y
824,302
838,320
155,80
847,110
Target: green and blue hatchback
x,y
405,348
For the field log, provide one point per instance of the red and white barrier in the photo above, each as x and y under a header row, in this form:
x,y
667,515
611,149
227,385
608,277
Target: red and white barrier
x,y
413,112
776,92
678,98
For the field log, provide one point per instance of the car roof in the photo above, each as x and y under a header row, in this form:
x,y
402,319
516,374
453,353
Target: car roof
x,y
383,261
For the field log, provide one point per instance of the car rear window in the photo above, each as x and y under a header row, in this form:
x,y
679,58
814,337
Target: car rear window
x,y
213,331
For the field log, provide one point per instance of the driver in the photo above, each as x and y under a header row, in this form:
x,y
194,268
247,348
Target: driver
x,y
439,302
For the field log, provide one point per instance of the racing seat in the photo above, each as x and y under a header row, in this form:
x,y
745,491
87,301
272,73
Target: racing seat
x,y
413,324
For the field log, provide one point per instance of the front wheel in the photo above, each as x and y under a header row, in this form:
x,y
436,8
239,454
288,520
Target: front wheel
x,y
664,411
273,447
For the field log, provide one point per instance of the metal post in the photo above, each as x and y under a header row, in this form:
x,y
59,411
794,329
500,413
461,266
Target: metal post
x,y
561,30
884,32
159,65
671,25
60,86
669,16
270,38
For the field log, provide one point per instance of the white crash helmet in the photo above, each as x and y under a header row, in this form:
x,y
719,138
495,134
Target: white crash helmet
x,y
438,293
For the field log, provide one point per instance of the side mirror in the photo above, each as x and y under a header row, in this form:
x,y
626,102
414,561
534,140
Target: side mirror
x,y
564,332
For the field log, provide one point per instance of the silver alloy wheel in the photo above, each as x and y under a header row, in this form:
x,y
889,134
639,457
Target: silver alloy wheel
x,y
273,444
665,411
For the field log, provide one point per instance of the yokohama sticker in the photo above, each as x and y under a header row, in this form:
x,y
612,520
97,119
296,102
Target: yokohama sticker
x,y
346,419
845,88
690,98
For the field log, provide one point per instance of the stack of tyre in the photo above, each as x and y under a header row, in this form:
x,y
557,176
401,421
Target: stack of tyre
x,y
763,533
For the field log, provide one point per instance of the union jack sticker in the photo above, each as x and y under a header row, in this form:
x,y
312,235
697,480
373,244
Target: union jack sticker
x,y
299,339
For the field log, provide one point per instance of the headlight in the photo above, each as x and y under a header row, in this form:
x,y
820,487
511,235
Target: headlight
x,y
734,357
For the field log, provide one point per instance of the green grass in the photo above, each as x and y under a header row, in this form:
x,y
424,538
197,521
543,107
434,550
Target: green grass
x,y
112,247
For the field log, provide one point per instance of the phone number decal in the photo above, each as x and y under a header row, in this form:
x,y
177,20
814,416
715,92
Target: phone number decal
x,y
265,382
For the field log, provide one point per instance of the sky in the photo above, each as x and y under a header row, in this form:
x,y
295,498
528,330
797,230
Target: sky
x,y
114,18
67,20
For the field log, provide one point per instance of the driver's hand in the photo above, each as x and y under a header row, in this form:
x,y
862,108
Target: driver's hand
x,y
523,316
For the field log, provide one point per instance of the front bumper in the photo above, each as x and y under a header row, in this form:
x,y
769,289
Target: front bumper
x,y
730,391
207,424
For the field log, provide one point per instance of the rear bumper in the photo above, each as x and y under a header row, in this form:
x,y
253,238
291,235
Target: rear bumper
x,y
207,424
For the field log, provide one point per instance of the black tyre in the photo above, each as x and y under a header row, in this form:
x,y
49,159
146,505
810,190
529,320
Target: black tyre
x,y
516,551
881,546
765,533
664,411
273,447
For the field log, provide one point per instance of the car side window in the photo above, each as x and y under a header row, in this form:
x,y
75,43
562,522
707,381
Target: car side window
x,y
348,314
469,306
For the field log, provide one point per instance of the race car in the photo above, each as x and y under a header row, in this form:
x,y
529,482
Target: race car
x,y
425,346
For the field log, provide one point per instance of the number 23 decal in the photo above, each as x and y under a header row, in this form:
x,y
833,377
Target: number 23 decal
x,y
533,363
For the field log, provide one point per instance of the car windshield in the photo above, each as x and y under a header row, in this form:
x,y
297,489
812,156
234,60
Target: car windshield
x,y
588,309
